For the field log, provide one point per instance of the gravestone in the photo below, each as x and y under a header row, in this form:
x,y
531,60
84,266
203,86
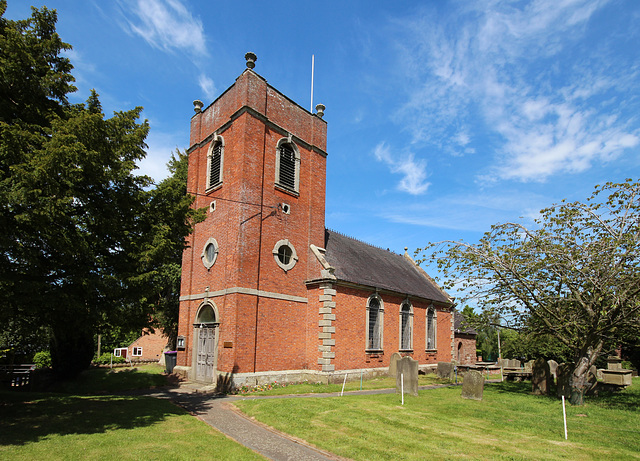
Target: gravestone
x,y
553,366
393,364
564,380
407,376
473,385
445,370
540,377
529,366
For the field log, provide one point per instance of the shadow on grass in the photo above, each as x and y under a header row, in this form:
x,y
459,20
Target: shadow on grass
x,y
627,399
108,381
28,417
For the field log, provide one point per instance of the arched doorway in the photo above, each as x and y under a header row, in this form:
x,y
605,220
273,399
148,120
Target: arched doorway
x,y
206,343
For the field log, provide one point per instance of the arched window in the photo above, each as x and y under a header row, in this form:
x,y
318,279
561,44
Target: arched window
x,y
431,328
215,158
206,316
375,317
288,165
406,327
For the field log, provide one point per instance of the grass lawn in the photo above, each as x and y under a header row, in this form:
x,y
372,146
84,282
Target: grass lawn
x,y
56,425
383,382
508,423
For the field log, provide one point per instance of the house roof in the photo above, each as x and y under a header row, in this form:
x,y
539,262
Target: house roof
x,y
363,264
460,325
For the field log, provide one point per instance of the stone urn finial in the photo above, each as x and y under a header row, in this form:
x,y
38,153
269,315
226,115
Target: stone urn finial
x,y
251,59
320,110
197,106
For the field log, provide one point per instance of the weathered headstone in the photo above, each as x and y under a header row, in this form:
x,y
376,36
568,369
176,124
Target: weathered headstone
x,y
564,380
445,370
393,363
407,376
540,377
553,366
528,367
473,385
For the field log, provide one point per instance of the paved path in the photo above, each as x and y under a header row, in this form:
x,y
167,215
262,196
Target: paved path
x,y
218,412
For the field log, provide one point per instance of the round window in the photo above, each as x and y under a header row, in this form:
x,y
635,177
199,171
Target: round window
x,y
285,255
210,253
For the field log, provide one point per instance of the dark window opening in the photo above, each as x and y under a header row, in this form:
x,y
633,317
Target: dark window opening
x,y
287,173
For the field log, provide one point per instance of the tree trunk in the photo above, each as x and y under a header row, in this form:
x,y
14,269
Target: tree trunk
x,y
580,377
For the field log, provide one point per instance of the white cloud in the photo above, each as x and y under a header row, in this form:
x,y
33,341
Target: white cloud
x,y
168,25
207,86
504,67
414,172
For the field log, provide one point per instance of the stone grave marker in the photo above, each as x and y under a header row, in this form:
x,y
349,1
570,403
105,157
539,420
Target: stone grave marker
x,y
529,366
540,377
393,363
445,370
473,385
564,380
407,376
553,366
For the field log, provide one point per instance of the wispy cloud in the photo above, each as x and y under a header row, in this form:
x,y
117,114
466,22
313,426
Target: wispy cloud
x,y
509,69
167,25
414,171
207,86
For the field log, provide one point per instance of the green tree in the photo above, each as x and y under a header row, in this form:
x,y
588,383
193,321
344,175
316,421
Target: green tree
x,y
71,203
169,218
575,277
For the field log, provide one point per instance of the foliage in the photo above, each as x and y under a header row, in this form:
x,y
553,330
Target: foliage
x,y
86,244
169,219
575,277
107,357
42,359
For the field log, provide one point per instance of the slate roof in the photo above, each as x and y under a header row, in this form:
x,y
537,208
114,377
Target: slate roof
x,y
363,264
460,325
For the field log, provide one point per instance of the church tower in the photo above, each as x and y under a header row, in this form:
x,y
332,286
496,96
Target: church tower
x,y
257,162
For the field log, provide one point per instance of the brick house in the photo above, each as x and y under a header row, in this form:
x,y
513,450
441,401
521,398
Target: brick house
x,y
464,340
148,347
268,293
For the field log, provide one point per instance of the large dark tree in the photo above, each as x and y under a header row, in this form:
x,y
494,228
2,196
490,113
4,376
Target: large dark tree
x,y
575,277
84,241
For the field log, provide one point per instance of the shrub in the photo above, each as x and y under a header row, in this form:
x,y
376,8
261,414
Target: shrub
x,y
108,358
42,359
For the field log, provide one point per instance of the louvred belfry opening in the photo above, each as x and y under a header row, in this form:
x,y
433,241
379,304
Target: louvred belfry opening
x,y
287,176
216,164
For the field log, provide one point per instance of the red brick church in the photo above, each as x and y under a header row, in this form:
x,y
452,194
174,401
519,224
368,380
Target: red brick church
x,y
268,293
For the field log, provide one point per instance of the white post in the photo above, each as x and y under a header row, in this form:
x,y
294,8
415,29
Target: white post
x,y
111,361
343,383
402,386
564,416
313,58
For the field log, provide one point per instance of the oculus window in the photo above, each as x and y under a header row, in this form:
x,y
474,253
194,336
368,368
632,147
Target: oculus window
x,y
285,255
210,253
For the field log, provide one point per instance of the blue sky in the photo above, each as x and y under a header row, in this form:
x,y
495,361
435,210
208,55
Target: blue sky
x,y
444,117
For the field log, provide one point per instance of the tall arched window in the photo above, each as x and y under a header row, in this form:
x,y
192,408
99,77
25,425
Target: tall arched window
x,y
288,165
215,158
431,328
374,323
406,327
